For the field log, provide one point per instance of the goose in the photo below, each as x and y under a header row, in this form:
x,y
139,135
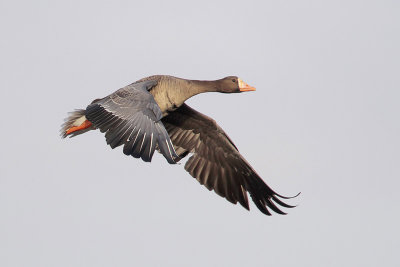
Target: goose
x,y
150,114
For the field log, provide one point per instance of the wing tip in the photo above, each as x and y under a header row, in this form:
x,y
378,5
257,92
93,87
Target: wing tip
x,y
284,197
267,199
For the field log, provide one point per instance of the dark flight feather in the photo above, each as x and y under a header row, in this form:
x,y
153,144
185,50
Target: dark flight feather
x,y
216,162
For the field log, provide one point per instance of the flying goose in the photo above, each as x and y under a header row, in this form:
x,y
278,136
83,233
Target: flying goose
x,y
150,114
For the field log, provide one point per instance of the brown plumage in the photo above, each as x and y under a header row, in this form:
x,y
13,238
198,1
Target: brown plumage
x,y
150,115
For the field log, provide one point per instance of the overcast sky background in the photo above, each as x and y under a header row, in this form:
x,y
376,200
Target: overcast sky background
x,y
324,121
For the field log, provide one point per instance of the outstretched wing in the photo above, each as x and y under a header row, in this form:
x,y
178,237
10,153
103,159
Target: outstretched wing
x,y
216,162
131,117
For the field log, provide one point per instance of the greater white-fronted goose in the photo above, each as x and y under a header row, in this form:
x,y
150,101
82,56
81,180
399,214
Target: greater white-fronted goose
x,y
151,114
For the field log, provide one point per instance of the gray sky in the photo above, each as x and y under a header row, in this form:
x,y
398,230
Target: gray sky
x,y
324,121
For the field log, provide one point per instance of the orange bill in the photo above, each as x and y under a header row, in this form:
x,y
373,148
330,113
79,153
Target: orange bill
x,y
86,124
244,87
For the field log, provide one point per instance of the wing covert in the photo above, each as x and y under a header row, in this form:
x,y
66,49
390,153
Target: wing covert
x,y
131,117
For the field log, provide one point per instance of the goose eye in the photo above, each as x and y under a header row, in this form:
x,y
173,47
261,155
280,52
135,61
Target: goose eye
x,y
234,80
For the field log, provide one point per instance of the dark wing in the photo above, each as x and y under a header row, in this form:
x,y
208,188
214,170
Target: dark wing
x,y
216,162
131,117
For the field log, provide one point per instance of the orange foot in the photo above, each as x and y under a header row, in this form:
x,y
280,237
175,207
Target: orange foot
x,y
86,124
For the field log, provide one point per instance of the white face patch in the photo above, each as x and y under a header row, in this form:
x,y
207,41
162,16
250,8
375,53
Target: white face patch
x,y
241,83
79,121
